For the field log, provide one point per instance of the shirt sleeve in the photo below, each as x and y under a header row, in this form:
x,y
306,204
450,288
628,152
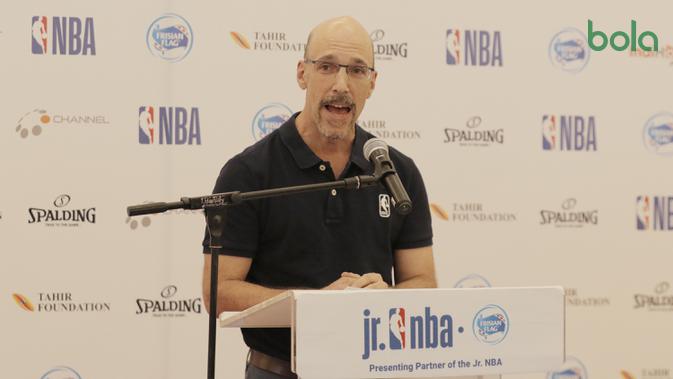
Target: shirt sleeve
x,y
416,230
241,221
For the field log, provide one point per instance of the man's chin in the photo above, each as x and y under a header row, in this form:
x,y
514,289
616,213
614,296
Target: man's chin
x,y
336,132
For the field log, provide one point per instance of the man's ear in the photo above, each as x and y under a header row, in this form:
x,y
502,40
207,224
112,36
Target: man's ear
x,y
301,72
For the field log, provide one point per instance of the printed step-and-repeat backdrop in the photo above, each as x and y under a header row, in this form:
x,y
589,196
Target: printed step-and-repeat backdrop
x,y
546,155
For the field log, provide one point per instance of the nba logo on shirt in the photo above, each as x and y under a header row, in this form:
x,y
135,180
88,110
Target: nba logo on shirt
x,y
397,329
384,205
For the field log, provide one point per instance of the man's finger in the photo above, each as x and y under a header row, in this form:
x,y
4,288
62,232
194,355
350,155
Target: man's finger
x,y
377,285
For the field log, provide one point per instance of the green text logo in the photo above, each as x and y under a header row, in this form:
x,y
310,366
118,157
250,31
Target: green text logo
x,y
620,44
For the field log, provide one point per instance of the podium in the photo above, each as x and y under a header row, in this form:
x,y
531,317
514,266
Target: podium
x,y
416,333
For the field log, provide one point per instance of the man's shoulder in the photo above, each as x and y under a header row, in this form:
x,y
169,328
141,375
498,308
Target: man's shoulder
x,y
259,153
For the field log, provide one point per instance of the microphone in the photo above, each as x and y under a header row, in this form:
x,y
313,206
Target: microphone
x,y
376,150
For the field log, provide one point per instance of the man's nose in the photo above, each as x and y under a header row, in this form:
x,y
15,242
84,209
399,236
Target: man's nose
x,y
341,80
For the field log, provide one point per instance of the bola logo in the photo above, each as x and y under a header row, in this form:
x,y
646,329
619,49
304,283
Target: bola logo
x,y
658,134
170,37
568,50
491,324
269,118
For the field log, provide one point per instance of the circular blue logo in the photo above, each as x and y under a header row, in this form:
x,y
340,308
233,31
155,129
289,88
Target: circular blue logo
x,y
473,281
269,118
491,324
170,37
658,133
61,372
572,369
569,50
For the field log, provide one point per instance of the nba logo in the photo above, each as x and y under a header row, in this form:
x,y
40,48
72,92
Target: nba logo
x,y
397,328
453,47
643,212
146,125
39,35
549,132
384,205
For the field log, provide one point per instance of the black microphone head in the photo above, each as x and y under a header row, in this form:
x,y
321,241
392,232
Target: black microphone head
x,y
372,145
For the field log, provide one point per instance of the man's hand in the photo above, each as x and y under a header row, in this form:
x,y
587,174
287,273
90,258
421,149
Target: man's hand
x,y
346,280
371,280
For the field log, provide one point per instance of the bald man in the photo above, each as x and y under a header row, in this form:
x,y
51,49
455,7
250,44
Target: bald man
x,y
317,240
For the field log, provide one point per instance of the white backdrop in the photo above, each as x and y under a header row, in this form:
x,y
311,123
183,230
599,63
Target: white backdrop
x,y
71,141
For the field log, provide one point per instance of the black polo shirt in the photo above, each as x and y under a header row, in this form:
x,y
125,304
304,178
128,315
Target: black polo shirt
x,y
307,240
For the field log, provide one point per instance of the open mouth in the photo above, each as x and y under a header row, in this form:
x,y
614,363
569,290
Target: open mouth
x,y
338,108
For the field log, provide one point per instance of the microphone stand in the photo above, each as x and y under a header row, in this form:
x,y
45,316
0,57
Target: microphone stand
x,y
215,207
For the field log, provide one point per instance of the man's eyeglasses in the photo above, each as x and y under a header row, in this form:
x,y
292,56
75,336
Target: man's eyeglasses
x,y
355,71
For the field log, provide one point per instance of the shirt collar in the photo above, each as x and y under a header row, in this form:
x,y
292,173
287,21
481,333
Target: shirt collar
x,y
305,158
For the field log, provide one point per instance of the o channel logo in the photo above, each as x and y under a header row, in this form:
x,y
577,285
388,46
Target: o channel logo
x,y
568,50
170,37
269,118
658,133
491,324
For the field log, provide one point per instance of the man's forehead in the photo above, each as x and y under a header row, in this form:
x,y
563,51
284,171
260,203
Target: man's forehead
x,y
335,58
341,35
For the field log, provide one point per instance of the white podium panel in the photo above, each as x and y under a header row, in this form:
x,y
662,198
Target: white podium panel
x,y
418,332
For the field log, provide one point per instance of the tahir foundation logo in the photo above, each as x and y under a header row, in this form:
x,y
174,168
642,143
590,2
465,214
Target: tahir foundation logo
x,y
654,213
381,129
170,37
386,49
160,125
268,41
169,305
650,373
59,302
572,368
659,300
573,298
465,47
569,216
569,51
61,372
62,36
474,135
38,121
568,133
472,213
62,214
620,40
269,118
658,133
